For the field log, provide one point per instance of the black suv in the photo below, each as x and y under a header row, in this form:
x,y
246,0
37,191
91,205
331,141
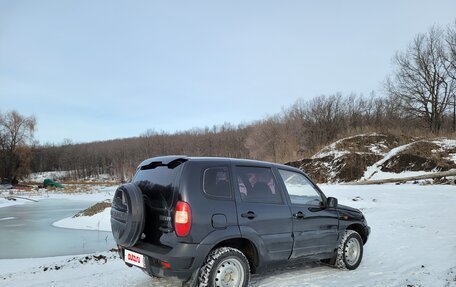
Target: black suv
x,y
213,221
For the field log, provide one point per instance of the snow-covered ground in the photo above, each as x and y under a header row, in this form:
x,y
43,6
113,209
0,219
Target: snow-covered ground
x,y
413,243
56,175
41,176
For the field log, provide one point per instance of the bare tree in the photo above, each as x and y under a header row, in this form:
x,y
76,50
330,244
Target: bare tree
x,y
421,81
272,139
16,134
451,60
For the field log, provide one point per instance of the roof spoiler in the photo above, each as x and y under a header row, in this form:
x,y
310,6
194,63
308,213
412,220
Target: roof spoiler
x,y
171,161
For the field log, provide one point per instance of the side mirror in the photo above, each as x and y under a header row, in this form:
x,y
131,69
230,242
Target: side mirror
x,y
332,202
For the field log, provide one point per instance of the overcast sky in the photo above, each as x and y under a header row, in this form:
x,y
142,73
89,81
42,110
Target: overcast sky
x,y
95,70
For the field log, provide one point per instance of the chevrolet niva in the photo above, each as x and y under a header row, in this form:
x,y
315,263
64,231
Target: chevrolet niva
x,y
213,221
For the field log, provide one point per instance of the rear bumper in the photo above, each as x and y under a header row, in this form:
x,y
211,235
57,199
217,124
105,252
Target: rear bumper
x,y
183,259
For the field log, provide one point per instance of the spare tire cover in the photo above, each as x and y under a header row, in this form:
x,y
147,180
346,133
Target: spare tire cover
x,y
127,214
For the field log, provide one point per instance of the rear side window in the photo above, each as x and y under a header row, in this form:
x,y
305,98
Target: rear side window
x,y
158,184
216,182
257,184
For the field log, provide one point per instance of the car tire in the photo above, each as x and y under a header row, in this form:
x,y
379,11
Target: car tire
x,y
127,214
349,252
224,266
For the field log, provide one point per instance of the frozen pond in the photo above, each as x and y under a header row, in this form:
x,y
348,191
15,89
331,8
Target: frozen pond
x,y
26,231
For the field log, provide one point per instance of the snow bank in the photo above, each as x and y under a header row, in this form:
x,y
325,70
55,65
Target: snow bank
x,y
375,168
379,156
447,143
99,221
375,148
374,171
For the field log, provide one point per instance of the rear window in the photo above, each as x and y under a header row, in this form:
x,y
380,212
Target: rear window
x,y
159,184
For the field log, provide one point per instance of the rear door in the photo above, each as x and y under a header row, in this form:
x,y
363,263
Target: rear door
x,y
262,210
315,227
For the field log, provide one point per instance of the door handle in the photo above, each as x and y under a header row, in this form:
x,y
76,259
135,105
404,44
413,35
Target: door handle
x,y
249,215
298,215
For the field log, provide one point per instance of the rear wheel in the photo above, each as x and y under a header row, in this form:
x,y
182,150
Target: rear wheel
x,y
225,267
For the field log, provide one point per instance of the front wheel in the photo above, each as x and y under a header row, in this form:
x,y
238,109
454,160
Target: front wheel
x,y
225,267
349,251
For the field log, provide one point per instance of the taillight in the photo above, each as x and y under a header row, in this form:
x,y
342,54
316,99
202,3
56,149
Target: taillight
x,y
165,264
182,218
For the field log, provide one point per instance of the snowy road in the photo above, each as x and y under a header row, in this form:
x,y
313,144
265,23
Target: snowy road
x,y
413,243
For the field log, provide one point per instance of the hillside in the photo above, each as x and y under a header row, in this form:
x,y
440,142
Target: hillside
x,y
379,156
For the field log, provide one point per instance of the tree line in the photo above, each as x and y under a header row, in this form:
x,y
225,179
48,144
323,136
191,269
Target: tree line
x,y
296,132
419,99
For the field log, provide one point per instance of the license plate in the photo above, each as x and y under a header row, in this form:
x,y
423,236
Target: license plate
x,y
134,258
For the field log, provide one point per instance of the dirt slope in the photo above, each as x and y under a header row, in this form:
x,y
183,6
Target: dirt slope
x,y
369,156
